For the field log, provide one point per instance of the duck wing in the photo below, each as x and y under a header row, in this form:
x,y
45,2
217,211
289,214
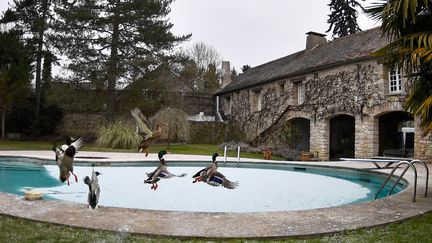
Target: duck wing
x,y
141,122
220,180
153,176
199,173
78,143
58,155
165,174
74,147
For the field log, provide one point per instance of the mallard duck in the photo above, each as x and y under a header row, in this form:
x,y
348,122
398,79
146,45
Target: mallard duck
x,y
203,174
160,172
65,158
94,189
211,176
149,135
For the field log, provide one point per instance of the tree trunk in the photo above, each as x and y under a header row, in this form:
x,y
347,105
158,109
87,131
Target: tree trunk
x,y
113,66
39,54
3,124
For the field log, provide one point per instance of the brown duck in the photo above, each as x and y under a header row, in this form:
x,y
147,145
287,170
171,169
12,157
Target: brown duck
x,y
149,136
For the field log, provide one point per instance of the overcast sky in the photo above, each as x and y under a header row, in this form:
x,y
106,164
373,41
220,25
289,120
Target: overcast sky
x,y
251,32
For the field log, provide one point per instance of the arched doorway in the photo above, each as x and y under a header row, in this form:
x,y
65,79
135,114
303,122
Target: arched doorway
x,y
342,137
396,134
296,134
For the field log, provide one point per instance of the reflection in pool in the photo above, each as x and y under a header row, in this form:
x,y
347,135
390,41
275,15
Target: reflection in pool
x,y
264,189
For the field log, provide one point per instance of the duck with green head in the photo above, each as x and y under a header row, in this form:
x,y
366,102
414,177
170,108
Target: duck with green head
x,y
161,172
211,176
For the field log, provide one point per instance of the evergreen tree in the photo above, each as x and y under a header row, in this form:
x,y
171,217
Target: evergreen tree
x,y
244,68
115,40
343,17
14,73
34,19
211,82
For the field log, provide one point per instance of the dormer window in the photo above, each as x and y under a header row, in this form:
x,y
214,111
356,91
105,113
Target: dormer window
x,y
395,81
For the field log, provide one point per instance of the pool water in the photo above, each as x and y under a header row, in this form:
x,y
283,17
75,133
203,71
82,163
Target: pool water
x,y
264,189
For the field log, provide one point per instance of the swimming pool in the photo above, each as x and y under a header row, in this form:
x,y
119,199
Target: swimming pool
x,y
263,187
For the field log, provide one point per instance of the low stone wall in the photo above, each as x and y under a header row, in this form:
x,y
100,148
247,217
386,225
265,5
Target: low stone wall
x,y
207,132
81,124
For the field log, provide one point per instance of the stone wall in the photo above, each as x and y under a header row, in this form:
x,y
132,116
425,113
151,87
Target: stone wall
x,y
81,124
422,144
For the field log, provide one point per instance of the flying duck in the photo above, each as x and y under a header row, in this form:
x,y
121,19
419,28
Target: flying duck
x,y
211,176
94,189
203,174
65,158
160,172
149,136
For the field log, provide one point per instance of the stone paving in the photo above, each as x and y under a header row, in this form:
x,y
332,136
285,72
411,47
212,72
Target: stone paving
x,y
395,208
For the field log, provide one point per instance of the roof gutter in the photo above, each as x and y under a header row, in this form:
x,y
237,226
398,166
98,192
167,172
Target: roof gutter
x,y
217,109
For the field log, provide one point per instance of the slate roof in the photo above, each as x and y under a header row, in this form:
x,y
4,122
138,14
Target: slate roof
x,y
348,49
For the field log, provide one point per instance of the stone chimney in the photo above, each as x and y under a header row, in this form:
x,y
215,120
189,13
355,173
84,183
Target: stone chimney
x,y
226,73
313,39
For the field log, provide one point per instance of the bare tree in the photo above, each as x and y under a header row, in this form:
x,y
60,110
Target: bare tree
x,y
202,69
203,55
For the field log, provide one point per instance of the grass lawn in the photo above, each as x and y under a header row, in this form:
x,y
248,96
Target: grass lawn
x,y
418,229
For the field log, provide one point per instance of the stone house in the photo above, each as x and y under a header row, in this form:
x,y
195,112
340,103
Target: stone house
x,y
340,100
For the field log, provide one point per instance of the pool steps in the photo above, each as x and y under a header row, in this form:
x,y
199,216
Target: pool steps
x,y
410,164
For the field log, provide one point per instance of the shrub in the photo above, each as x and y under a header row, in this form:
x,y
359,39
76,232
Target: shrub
x,y
118,135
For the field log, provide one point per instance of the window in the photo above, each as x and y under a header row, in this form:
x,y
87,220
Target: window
x,y
259,101
227,105
395,81
282,89
256,100
299,89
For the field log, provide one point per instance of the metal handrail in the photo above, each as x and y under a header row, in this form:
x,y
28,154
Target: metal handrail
x,y
400,177
427,173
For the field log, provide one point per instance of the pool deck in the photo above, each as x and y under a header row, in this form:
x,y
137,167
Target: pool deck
x,y
394,208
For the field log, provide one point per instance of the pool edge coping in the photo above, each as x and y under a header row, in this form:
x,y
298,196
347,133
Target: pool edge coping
x,y
230,225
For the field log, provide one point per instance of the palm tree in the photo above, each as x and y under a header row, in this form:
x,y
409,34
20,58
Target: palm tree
x,y
408,25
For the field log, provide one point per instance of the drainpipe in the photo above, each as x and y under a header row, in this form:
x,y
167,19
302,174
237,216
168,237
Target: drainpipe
x,y
217,109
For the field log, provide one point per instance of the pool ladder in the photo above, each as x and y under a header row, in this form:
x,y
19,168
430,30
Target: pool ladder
x,y
409,165
238,154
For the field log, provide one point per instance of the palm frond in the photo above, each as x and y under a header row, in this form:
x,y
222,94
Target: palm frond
x,y
419,103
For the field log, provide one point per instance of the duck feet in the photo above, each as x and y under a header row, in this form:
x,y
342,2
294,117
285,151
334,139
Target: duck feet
x,y
76,178
155,187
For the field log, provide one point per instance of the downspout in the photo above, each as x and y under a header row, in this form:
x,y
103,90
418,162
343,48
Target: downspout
x,y
217,109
